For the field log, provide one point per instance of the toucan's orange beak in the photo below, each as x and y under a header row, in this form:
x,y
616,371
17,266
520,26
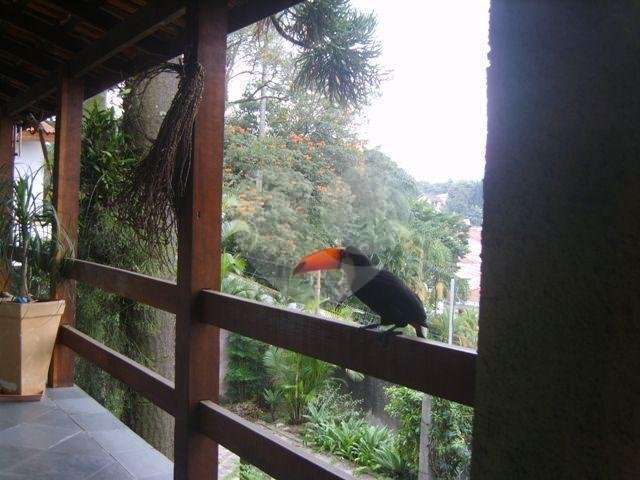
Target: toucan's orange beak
x,y
325,259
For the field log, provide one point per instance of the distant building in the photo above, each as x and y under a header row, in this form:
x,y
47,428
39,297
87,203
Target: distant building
x,y
29,157
438,202
469,266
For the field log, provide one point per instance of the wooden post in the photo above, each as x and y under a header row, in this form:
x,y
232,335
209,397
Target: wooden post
x,y
7,151
66,185
199,249
558,384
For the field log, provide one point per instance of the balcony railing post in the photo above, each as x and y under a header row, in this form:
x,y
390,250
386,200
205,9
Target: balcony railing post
x,y
66,185
197,344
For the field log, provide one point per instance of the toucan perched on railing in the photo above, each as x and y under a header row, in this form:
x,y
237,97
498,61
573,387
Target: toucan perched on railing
x,y
380,290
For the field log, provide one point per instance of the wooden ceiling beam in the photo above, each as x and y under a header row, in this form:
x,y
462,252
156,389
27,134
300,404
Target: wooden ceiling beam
x,y
98,18
48,33
137,26
16,75
239,18
23,54
130,31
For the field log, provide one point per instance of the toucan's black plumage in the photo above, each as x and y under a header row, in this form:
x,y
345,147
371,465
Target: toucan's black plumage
x,y
380,290
383,292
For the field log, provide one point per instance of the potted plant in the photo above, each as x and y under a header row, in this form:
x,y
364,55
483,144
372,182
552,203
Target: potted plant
x,y
28,322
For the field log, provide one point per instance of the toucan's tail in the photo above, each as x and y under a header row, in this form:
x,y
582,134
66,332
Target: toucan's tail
x,y
418,327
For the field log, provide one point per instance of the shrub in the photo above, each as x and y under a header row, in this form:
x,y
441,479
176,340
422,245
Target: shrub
x,y
450,439
297,377
449,436
246,377
405,405
335,426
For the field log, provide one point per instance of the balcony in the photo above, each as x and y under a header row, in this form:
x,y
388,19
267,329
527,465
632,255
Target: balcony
x,y
69,435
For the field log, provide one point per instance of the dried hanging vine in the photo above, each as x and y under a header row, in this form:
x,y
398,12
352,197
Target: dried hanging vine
x,y
152,200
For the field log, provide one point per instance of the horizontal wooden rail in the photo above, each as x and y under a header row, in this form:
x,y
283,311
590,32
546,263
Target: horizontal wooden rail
x,y
431,367
152,386
134,286
262,448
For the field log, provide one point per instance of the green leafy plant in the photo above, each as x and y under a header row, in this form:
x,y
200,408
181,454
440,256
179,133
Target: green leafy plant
x,y
298,377
273,398
335,424
26,245
405,405
450,439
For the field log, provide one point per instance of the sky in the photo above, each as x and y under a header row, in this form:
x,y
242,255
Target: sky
x,y
432,115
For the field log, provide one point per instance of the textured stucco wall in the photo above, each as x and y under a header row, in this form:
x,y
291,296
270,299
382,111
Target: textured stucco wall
x,y
558,377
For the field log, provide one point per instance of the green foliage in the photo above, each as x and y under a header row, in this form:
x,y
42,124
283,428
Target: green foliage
x,y
336,426
450,439
465,328
25,229
338,49
405,405
246,377
247,471
297,378
119,323
465,198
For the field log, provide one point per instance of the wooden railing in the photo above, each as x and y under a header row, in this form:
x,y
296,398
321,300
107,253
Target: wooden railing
x,y
430,367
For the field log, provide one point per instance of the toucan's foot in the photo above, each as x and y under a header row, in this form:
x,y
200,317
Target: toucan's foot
x,y
384,336
369,325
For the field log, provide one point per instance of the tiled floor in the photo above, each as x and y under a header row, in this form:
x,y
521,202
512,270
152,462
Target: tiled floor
x,y
70,436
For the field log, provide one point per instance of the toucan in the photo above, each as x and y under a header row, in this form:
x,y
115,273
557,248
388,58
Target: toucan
x,y
380,290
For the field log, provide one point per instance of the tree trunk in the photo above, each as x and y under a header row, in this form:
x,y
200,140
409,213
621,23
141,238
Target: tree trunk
x,y
147,108
424,468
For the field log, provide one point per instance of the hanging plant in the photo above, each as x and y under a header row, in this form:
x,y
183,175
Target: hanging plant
x,y
151,202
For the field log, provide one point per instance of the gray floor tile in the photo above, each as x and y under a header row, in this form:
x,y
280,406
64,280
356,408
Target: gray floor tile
x,y
124,440
98,421
34,436
11,456
143,464
63,466
55,418
4,425
164,476
114,471
69,436
19,412
65,393
80,443
78,406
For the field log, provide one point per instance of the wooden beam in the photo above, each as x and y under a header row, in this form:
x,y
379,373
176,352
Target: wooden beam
x,y
66,186
148,383
199,246
16,75
139,25
103,20
239,17
141,288
254,11
143,23
21,53
262,448
48,33
431,367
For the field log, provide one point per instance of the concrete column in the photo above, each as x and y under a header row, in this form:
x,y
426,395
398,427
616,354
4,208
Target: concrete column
x,y
558,379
